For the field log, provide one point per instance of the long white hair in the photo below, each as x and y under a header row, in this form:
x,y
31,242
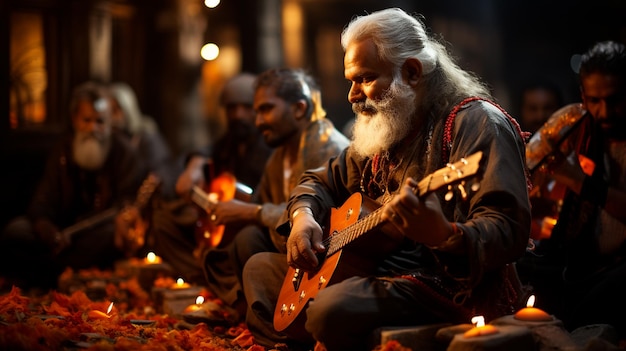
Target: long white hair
x,y
399,36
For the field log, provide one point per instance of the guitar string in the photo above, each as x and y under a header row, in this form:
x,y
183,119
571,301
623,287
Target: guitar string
x,y
345,236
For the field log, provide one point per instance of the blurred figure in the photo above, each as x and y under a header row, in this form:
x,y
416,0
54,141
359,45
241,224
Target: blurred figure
x,y
141,130
176,233
290,115
84,196
153,153
588,243
538,101
241,150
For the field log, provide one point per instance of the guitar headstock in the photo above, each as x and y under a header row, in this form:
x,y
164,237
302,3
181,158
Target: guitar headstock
x,y
453,174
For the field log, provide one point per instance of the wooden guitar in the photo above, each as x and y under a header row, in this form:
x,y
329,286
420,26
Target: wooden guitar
x,y
222,188
135,238
352,239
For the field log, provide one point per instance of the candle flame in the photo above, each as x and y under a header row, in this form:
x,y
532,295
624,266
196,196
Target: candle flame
x,y
110,308
180,282
151,257
531,301
199,300
478,321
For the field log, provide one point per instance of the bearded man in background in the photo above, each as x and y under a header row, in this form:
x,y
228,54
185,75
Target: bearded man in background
x,y
82,199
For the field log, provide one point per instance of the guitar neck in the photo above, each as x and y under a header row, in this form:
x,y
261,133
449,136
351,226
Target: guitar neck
x,y
446,176
87,223
352,232
200,198
147,188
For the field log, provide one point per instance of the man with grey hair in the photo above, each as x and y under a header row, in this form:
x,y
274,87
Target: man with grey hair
x,y
81,200
431,258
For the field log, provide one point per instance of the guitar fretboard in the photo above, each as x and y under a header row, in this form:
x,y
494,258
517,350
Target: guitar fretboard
x,y
446,176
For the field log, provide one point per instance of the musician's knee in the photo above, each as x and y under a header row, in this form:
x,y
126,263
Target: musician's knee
x,y
327,313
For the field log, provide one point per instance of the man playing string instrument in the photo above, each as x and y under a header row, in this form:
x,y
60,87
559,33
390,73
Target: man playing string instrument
x,y
416,111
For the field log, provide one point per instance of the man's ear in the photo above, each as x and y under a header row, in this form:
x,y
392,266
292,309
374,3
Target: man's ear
x,y
300,109
412,71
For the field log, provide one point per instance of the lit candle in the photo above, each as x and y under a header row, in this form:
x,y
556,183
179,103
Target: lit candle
x,y
197,306
180,284
152,258
491,337
480,329
95,314
533,314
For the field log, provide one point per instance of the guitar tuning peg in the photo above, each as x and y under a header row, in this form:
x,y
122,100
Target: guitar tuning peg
x,y
475,186
450,194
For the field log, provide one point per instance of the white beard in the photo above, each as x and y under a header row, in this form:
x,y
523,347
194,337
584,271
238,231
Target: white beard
x,y
385,122
89,152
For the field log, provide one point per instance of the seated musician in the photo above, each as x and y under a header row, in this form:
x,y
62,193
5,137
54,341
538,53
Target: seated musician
x,y
292,120
81,200
436,260
179,227
580,268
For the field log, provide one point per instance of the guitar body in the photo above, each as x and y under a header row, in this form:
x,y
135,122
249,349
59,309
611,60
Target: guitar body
x,y
356,260
356,240
221,188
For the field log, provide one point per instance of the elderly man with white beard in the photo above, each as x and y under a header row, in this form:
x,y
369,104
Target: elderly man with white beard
x,y
422,257
82,198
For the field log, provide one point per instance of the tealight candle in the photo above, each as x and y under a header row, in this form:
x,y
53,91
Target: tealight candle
x,y
197,306
95,314
152,258
493,338
180,284
530,313
480,329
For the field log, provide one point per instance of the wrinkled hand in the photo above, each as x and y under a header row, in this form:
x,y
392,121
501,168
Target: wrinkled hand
x,y
419,220
50,235
304,242
130,230
225,212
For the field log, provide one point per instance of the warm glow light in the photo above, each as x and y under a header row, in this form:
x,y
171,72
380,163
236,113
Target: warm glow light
x,y
478,321
211,3
196,307
95,314
531,313
531,301
151,257
480,329
210,52
180,284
